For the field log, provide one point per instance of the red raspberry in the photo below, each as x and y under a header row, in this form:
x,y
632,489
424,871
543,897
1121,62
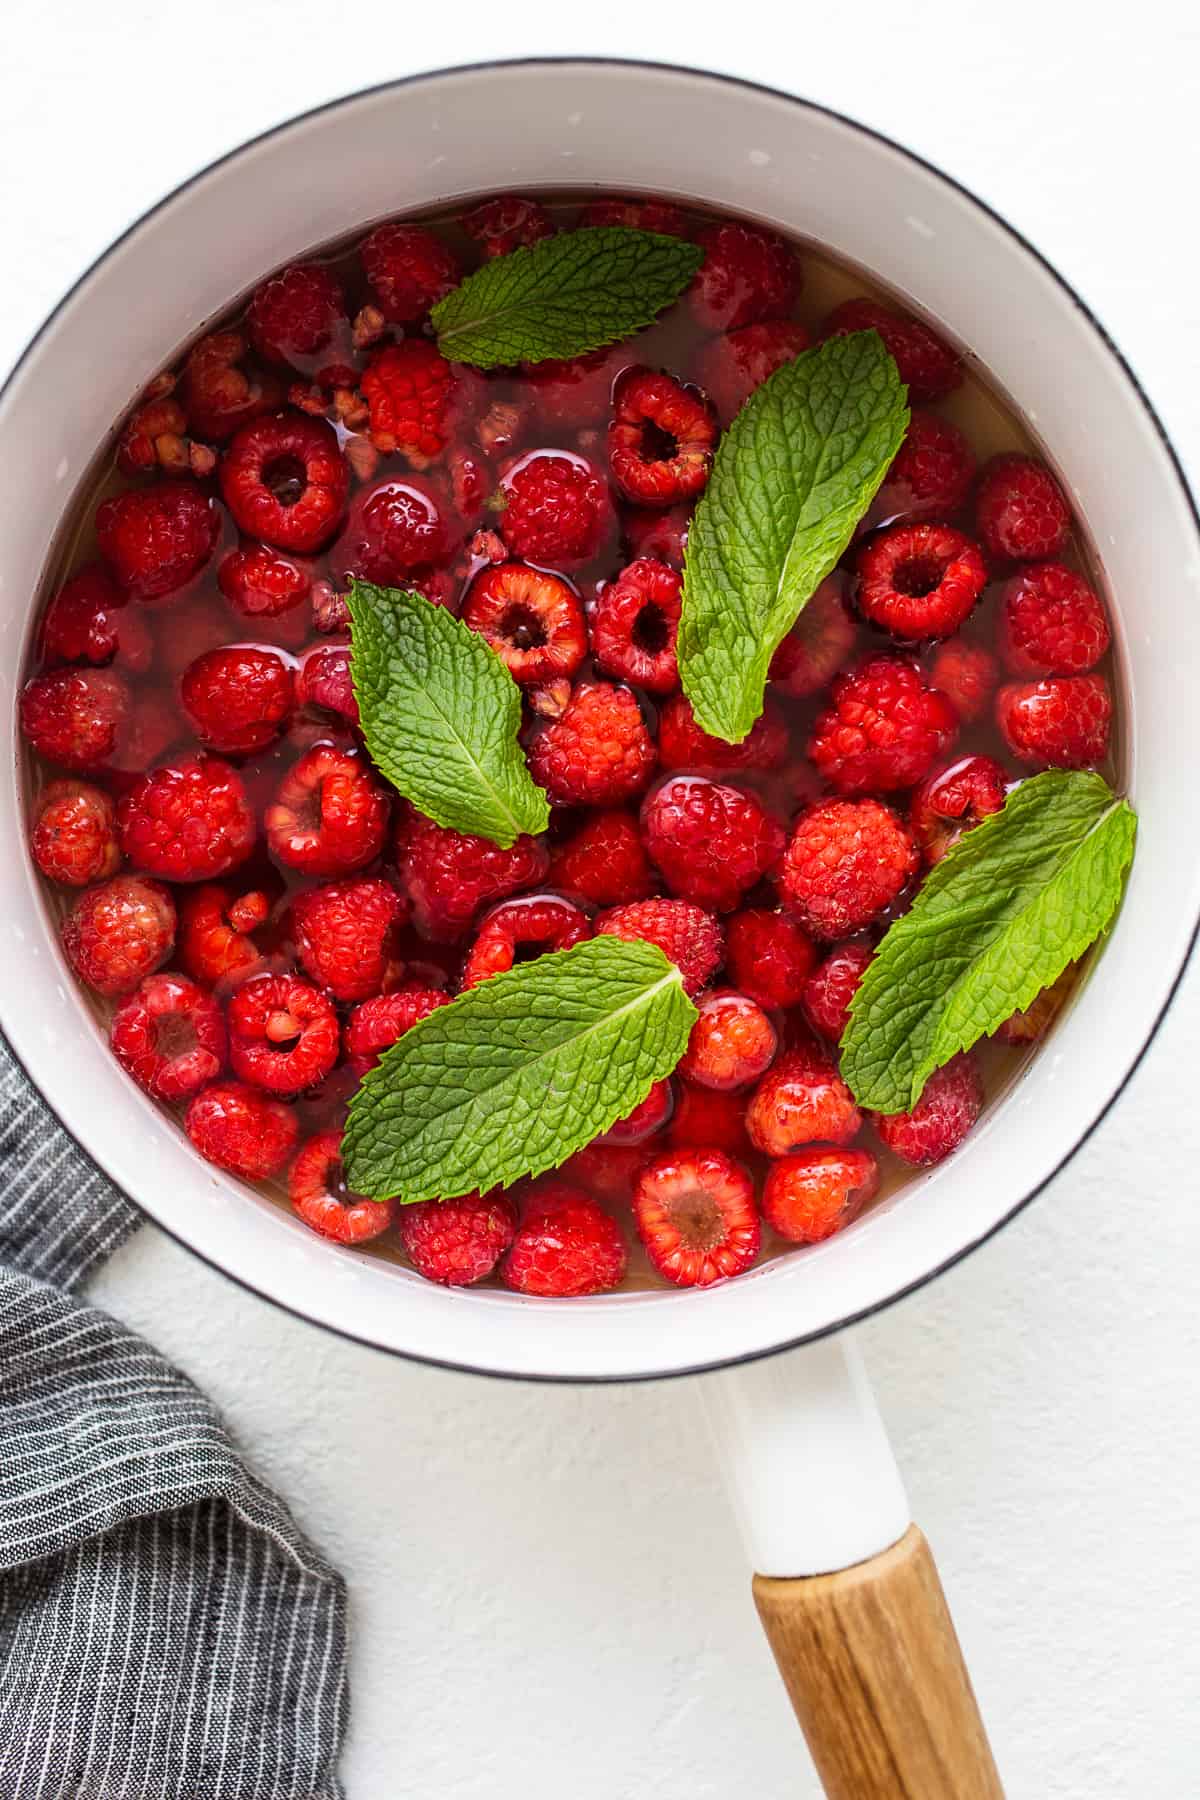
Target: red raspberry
x,y
449,875
848,860
376,1024
928,367
324,681
688,935
705,1119
952,799
215,933
733,365
470,482
283,1034
695,1213
293,315
598,753
319,1195
647,1117
344,935
120,932
768,956
457,1242
604,862
285,479
732,1043
882,729
170,1036
221,389
1034,1022
408,270
506,224
187,821
153,727
329,815
267,587
575,392
153,436
74,836
941,1119
661,438
395,527
967,674
241,1130
154,539
832,986
919,581
635,623
566,1245
801,1100
683,745
661,535
1059,723
809,1196
607,1170
90,621
75,717
637,215
417,400
1020,510
533,621
239,699
711,843
746,276
1050,623
556,509
520,930
931,473
818,645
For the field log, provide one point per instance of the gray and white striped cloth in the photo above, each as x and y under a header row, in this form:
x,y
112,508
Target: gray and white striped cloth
x,y
166,1633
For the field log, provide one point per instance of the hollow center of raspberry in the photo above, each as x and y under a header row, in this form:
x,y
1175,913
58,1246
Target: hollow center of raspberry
x,y
650,631
522,628
658,444
697,1218
174,1035
529,949
917,576
286,478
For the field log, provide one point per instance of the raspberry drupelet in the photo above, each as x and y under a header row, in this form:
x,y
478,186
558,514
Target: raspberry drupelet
x,y
695,1213
75,717
661,439
968,676
801,1100
1050,623
635,623
847,862
119,932
170,1035
216,927
928,367
683,745
555,509
344,935
1059,723
285,480
826,995
518,930
408,271
457,1242
74,837
733,365
187,821
155,539
919,581
1020,510
239,699
952,799
376,1024
691,937
882,729
732,1042
598,753
566,1245
449,875
90,620
746,275
241,1129
532,619
320,1197
813,1193
768,956
710,842
283,1034
950,1104
604,862
329,815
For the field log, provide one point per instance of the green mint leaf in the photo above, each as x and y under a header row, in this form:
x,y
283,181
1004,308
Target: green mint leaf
x,y
517,1073
996,921
793,475
440,713
571,293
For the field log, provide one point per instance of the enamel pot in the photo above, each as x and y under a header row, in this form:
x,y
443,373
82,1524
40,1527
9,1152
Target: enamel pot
x,y
845,1586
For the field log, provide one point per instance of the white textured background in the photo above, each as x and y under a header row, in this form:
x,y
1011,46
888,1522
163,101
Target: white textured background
x,y
548,1594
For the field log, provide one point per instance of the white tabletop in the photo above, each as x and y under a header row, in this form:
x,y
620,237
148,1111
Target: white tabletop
x,y
548,1593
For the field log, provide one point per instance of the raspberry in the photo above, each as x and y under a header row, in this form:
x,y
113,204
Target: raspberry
x,y
319,1196
506,224
768,956
647,1117
241,1130
283,1034
458,1242
637,215
1060,723
566,1245
919,581
661,535
376,1024
239,699
417,400
661,438
155,539
222,390
344,934
575,392
938,1123
329,815
75,717
533,621
607,1170
89,621
155,435
215,941
470,482
931,473
293,315
394,528
74,836
848,860
809,1196
1020,510
324,682
710,842
952,799
449,875
598,753
706,1119
733,365
187,820
518,930
882,729
1034,1022
967,674
1050,623
801,1100
170,1035
120,932
732,1043
265,586
285,479
604,862
832,986
746,276
556,509
408,271
695,1213
928,367
635,623
689,936
683,745
818,644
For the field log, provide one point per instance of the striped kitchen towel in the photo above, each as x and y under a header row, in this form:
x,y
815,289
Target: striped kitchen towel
x,y
166,1632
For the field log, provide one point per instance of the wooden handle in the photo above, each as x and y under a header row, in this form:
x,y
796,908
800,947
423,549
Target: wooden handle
x,y
872,1665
